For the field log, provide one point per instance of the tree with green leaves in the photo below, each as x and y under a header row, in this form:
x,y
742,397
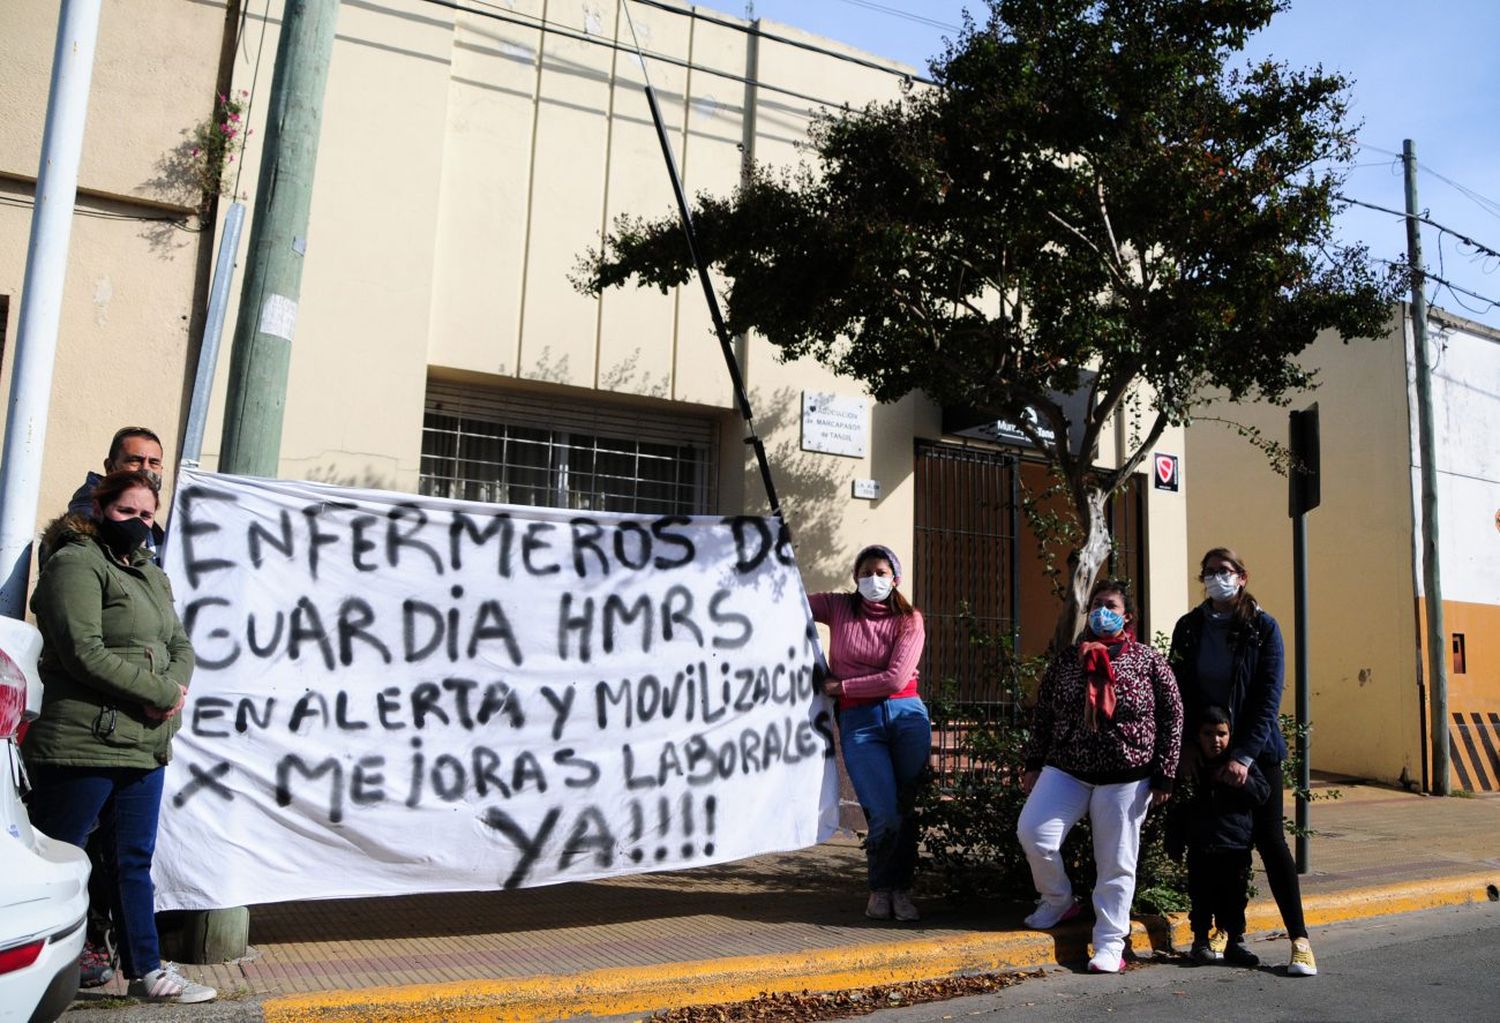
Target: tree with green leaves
x,y
1093,195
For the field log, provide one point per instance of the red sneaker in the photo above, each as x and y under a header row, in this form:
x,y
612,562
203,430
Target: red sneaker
x,y
95,966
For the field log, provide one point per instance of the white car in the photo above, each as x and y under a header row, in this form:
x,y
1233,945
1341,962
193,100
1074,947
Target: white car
x,y
43,884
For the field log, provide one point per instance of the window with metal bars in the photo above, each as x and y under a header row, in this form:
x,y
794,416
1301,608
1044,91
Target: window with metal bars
x,y
484,445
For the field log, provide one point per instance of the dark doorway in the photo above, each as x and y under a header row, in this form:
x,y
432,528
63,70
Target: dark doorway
x,y
980,573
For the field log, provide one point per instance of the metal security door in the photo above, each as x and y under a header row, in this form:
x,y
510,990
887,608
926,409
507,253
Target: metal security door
x,y
968,519
979,580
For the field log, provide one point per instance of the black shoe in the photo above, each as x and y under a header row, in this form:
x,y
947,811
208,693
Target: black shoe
x,y
1236,954
1202,953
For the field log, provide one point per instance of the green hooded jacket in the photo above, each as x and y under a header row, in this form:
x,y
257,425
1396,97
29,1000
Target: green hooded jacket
x,y
112,646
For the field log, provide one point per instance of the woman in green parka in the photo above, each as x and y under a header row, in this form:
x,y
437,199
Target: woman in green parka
x,y
115,667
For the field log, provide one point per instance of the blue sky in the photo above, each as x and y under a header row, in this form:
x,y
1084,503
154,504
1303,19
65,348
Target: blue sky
x,y
1422,70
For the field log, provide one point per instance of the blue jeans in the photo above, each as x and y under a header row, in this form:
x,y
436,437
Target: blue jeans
x,y
886,747
64,804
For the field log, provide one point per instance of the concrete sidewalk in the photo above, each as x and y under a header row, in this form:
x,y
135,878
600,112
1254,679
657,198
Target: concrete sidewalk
x,y
774,923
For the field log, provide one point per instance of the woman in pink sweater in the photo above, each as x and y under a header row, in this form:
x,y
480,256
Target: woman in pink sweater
x,y
876,639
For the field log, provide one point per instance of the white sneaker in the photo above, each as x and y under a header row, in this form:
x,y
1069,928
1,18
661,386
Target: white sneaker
x,y
1105,962
903,907
879,906
1047,917
167,985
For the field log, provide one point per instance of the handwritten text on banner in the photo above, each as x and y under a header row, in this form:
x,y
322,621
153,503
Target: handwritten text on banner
x,y
398,694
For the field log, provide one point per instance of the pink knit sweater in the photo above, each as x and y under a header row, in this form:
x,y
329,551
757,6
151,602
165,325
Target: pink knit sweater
x,y
874,654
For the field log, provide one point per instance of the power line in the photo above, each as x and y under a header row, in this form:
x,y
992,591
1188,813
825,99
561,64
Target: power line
x,y
265,19
1443,269
1425,220
1490,302
1437,279
178,222
582,37
1489,205
897,12
849,58
1485,203
735,26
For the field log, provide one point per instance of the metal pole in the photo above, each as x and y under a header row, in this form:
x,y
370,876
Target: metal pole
x,y
42,295
1304,493
725,342
1299,606
1432,584
267,322
1014,555
750,127
213,333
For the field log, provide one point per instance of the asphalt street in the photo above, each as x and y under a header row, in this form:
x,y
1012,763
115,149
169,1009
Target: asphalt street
x,y
1441,964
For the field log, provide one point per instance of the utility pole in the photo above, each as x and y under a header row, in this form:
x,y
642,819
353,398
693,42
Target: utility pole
x,y
256,397
42,295
1432,584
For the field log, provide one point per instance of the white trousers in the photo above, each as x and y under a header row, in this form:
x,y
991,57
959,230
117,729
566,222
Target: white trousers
x,y
1057,802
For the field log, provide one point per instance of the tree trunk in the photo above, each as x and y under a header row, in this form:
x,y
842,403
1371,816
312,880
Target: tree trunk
x,y
1086,563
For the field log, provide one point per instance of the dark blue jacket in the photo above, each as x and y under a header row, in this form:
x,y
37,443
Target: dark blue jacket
x,y
1256,681
1218,816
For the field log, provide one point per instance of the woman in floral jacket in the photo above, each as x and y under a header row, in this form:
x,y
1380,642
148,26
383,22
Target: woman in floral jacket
x,y
1105,742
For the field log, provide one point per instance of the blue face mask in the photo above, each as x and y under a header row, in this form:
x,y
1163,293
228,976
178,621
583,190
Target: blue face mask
x,y
1105,622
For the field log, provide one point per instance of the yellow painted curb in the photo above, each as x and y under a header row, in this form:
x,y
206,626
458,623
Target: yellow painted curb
x,y
1362,903
625,990
639,989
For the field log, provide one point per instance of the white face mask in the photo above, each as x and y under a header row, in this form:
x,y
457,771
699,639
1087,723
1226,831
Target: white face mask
x,y
1224,586
874,588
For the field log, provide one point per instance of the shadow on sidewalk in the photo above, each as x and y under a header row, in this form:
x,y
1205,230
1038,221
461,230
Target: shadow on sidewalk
x,y
823,887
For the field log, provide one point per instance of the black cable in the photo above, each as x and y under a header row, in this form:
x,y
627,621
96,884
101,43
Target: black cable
x,y
1481,200
552,27
265,19
1443,270
1421,219
567,33
698,15
1484,202
1491,303
180,223
1428,275
897,12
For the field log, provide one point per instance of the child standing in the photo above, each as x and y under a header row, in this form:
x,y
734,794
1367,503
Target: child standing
x,y
1219,838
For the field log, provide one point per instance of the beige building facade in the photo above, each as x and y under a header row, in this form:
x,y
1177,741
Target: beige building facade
x,y
138,257
467,160
1369,696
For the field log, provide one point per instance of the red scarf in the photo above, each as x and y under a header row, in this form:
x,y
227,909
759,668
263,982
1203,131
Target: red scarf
x,y
1099,679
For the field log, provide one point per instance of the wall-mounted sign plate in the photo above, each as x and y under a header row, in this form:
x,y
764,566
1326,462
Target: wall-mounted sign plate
x,y
868,490
835,424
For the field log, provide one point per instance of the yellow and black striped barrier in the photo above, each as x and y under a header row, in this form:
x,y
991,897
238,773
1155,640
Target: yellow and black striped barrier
x,y
1474,747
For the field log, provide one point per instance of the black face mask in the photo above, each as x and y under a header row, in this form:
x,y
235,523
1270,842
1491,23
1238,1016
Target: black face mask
x,y
123,536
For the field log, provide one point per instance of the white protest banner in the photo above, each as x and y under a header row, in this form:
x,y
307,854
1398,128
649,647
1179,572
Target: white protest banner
x,y
398,694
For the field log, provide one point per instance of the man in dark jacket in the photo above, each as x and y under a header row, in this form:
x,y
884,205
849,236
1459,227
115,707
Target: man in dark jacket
x,y
1218,820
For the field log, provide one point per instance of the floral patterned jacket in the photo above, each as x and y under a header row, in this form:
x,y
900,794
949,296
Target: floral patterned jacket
x,y
1142,740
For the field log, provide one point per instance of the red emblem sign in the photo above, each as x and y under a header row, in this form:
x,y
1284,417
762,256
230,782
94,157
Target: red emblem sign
x,y
1168,472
